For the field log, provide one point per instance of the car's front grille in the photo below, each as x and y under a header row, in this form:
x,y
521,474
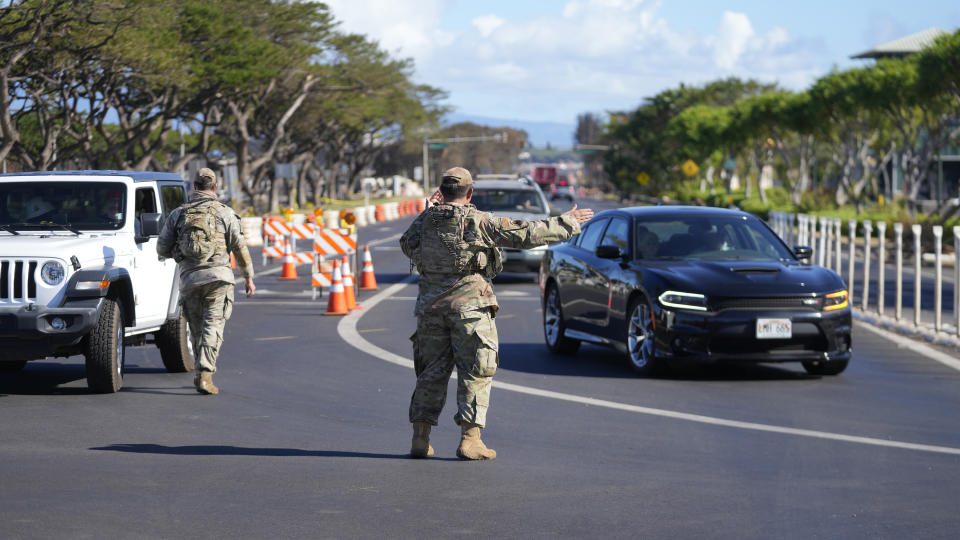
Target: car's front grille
x,y
781,302
18,282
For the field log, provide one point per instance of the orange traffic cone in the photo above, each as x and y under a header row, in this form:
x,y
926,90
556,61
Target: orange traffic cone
x,y
289,270
368,281
337,304
348,284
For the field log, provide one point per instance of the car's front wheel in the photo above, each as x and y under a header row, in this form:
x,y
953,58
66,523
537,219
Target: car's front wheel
x,y
641,351
835,367
553,325
104,350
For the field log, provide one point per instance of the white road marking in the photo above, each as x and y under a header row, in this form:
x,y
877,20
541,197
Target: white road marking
x,y
512,293
347,328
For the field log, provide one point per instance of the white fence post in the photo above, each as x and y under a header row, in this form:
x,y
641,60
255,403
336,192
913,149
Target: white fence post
x,y
938,277
881,264
956,278
898,242
837,223
822,258
867,233
917,256
851,237
813,239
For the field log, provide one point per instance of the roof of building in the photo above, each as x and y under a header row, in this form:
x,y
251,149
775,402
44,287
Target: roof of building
x,y
899,48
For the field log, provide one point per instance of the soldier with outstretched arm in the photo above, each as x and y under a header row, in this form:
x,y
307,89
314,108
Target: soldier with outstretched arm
x,y
200,235
456,249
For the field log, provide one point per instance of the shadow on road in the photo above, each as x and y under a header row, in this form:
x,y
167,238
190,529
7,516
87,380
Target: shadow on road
x,y
595,361
40,378
222,450
391,278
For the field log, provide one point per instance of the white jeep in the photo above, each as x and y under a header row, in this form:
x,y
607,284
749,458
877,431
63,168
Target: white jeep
x,y
80,274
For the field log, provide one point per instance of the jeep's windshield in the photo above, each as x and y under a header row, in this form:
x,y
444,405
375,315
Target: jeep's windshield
x,y
99,206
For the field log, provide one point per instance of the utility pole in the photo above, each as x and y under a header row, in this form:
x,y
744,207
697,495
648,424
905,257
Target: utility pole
x,y
443,143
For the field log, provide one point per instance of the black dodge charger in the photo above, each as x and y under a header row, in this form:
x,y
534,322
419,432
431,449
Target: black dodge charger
x,y
667,284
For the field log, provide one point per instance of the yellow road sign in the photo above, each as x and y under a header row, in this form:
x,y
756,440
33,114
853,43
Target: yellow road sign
x,y
689,168
643,178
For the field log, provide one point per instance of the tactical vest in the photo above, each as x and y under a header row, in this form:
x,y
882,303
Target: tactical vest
x,y
450,244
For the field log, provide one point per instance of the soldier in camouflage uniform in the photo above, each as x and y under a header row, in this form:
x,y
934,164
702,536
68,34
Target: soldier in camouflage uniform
x,y
455,248
206,280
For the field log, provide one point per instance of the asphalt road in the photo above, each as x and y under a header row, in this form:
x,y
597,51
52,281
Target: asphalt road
x,y
309,438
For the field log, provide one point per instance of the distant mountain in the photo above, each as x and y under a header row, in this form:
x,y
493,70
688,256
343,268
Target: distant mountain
x,y
540,133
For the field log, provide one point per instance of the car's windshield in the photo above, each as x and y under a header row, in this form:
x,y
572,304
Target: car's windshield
x,y
507,200
716,238
76,205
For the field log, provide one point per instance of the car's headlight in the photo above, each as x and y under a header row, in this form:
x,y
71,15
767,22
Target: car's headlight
x,y
683,300
52,273
834,301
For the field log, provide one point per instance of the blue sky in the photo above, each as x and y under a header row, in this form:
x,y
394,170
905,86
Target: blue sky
x,y
547,61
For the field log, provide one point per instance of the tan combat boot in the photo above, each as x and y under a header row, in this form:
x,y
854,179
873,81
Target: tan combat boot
x,y
420,447
471,447
204,383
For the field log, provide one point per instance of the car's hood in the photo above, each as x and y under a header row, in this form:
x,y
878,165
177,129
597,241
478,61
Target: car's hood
x,y
89,249
743,278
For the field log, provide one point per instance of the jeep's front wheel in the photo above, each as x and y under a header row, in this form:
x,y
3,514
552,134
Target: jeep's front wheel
x,y
176,348
104,350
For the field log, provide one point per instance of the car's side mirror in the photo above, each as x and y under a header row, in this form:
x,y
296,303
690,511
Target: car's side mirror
x,y
803,252
608,252
150,224
554,211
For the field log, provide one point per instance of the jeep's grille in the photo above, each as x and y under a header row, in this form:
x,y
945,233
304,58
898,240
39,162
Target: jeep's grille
x,y
18,282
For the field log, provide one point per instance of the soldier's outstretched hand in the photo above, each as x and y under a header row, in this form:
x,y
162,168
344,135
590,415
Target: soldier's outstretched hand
x,y
582,215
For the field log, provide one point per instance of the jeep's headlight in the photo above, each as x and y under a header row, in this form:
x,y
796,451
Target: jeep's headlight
x,y
683,300
834,301
52,273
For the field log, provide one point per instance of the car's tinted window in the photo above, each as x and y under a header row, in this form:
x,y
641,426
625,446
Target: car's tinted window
x,y
591,236
146,202
708,238
617,234
172,196
508,200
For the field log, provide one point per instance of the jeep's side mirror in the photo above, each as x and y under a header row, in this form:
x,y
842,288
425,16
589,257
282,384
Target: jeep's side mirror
x,y
608,252
150,224
803,252
554,211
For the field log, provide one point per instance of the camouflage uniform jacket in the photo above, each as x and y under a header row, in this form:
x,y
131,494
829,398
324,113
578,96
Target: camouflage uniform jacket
x,y
455,247
217,267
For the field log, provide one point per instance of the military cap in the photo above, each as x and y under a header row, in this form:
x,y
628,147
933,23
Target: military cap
x,y
207,173
457,176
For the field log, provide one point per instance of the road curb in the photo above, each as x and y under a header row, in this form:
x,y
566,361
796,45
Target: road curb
x,y
908,338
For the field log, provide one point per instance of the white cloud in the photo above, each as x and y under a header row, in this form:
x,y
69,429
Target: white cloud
x,y
486,24
735,33
408,29
586,55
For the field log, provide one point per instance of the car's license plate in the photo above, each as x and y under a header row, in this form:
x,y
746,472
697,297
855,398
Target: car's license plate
x,y
774,329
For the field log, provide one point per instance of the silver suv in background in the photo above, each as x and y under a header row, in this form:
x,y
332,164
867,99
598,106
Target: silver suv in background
x,y
513,197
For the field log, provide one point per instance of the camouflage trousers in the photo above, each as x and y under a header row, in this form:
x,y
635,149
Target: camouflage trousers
x,y
467,340
207,308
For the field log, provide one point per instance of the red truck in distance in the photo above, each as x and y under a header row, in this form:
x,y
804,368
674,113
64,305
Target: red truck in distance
x,y
545,176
